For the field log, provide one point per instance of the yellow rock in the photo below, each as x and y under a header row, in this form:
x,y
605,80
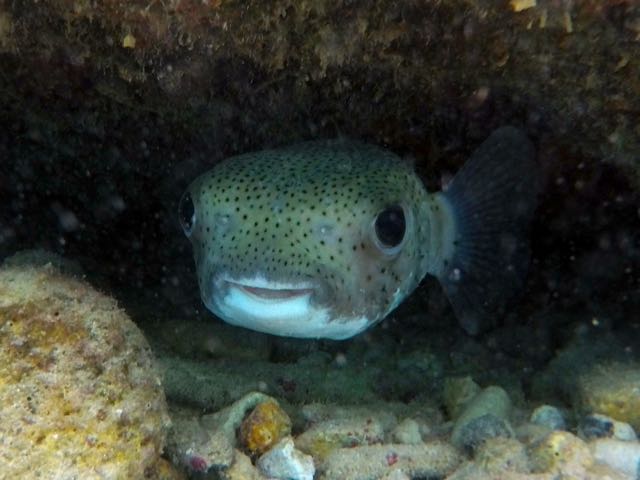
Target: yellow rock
x,y
613,390
561,452
78,389
264,427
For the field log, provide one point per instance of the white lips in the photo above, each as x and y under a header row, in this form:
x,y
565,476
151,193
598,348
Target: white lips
x,y
280,309
273,303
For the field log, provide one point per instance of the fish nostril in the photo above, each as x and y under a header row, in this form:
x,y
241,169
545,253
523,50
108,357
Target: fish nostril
x,y
324,231
223,222
222,219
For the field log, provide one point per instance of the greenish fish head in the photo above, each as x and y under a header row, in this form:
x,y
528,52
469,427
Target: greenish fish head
x,y
317,240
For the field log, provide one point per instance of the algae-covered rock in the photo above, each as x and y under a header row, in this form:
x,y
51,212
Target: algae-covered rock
x,y
78,388
613,390
485,416
324,437
370,462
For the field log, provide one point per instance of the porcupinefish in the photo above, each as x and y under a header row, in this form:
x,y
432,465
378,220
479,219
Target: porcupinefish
x,y
324,238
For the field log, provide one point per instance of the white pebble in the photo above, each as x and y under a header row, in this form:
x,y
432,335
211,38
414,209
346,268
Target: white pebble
x,y
284,462
619,455
407,431
624,431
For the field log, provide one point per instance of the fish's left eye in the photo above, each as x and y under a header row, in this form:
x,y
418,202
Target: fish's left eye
x,y
187,213
390,227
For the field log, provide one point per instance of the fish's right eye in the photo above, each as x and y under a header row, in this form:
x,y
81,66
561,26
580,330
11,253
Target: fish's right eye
x,y
390,226
187,213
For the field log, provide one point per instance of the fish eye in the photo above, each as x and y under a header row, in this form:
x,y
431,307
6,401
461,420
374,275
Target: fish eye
x,y
187,213
390,226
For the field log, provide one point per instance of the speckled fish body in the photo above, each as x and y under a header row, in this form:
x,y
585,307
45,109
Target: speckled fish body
x,y
323,239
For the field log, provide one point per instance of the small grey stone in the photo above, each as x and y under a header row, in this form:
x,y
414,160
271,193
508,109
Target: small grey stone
x,y
485,416
474,433
597,425
549,416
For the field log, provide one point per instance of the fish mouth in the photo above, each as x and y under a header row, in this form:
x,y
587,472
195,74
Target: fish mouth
x,y
265,305
277,293
289,309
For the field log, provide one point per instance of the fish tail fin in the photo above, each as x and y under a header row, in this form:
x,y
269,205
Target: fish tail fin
x,y
491,202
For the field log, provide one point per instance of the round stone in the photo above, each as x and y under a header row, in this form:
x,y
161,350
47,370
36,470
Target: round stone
x,y
78,388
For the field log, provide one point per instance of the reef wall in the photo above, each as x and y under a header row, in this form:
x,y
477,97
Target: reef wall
x,y
274,67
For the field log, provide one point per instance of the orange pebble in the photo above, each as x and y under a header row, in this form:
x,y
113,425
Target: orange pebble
x,y
263,427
